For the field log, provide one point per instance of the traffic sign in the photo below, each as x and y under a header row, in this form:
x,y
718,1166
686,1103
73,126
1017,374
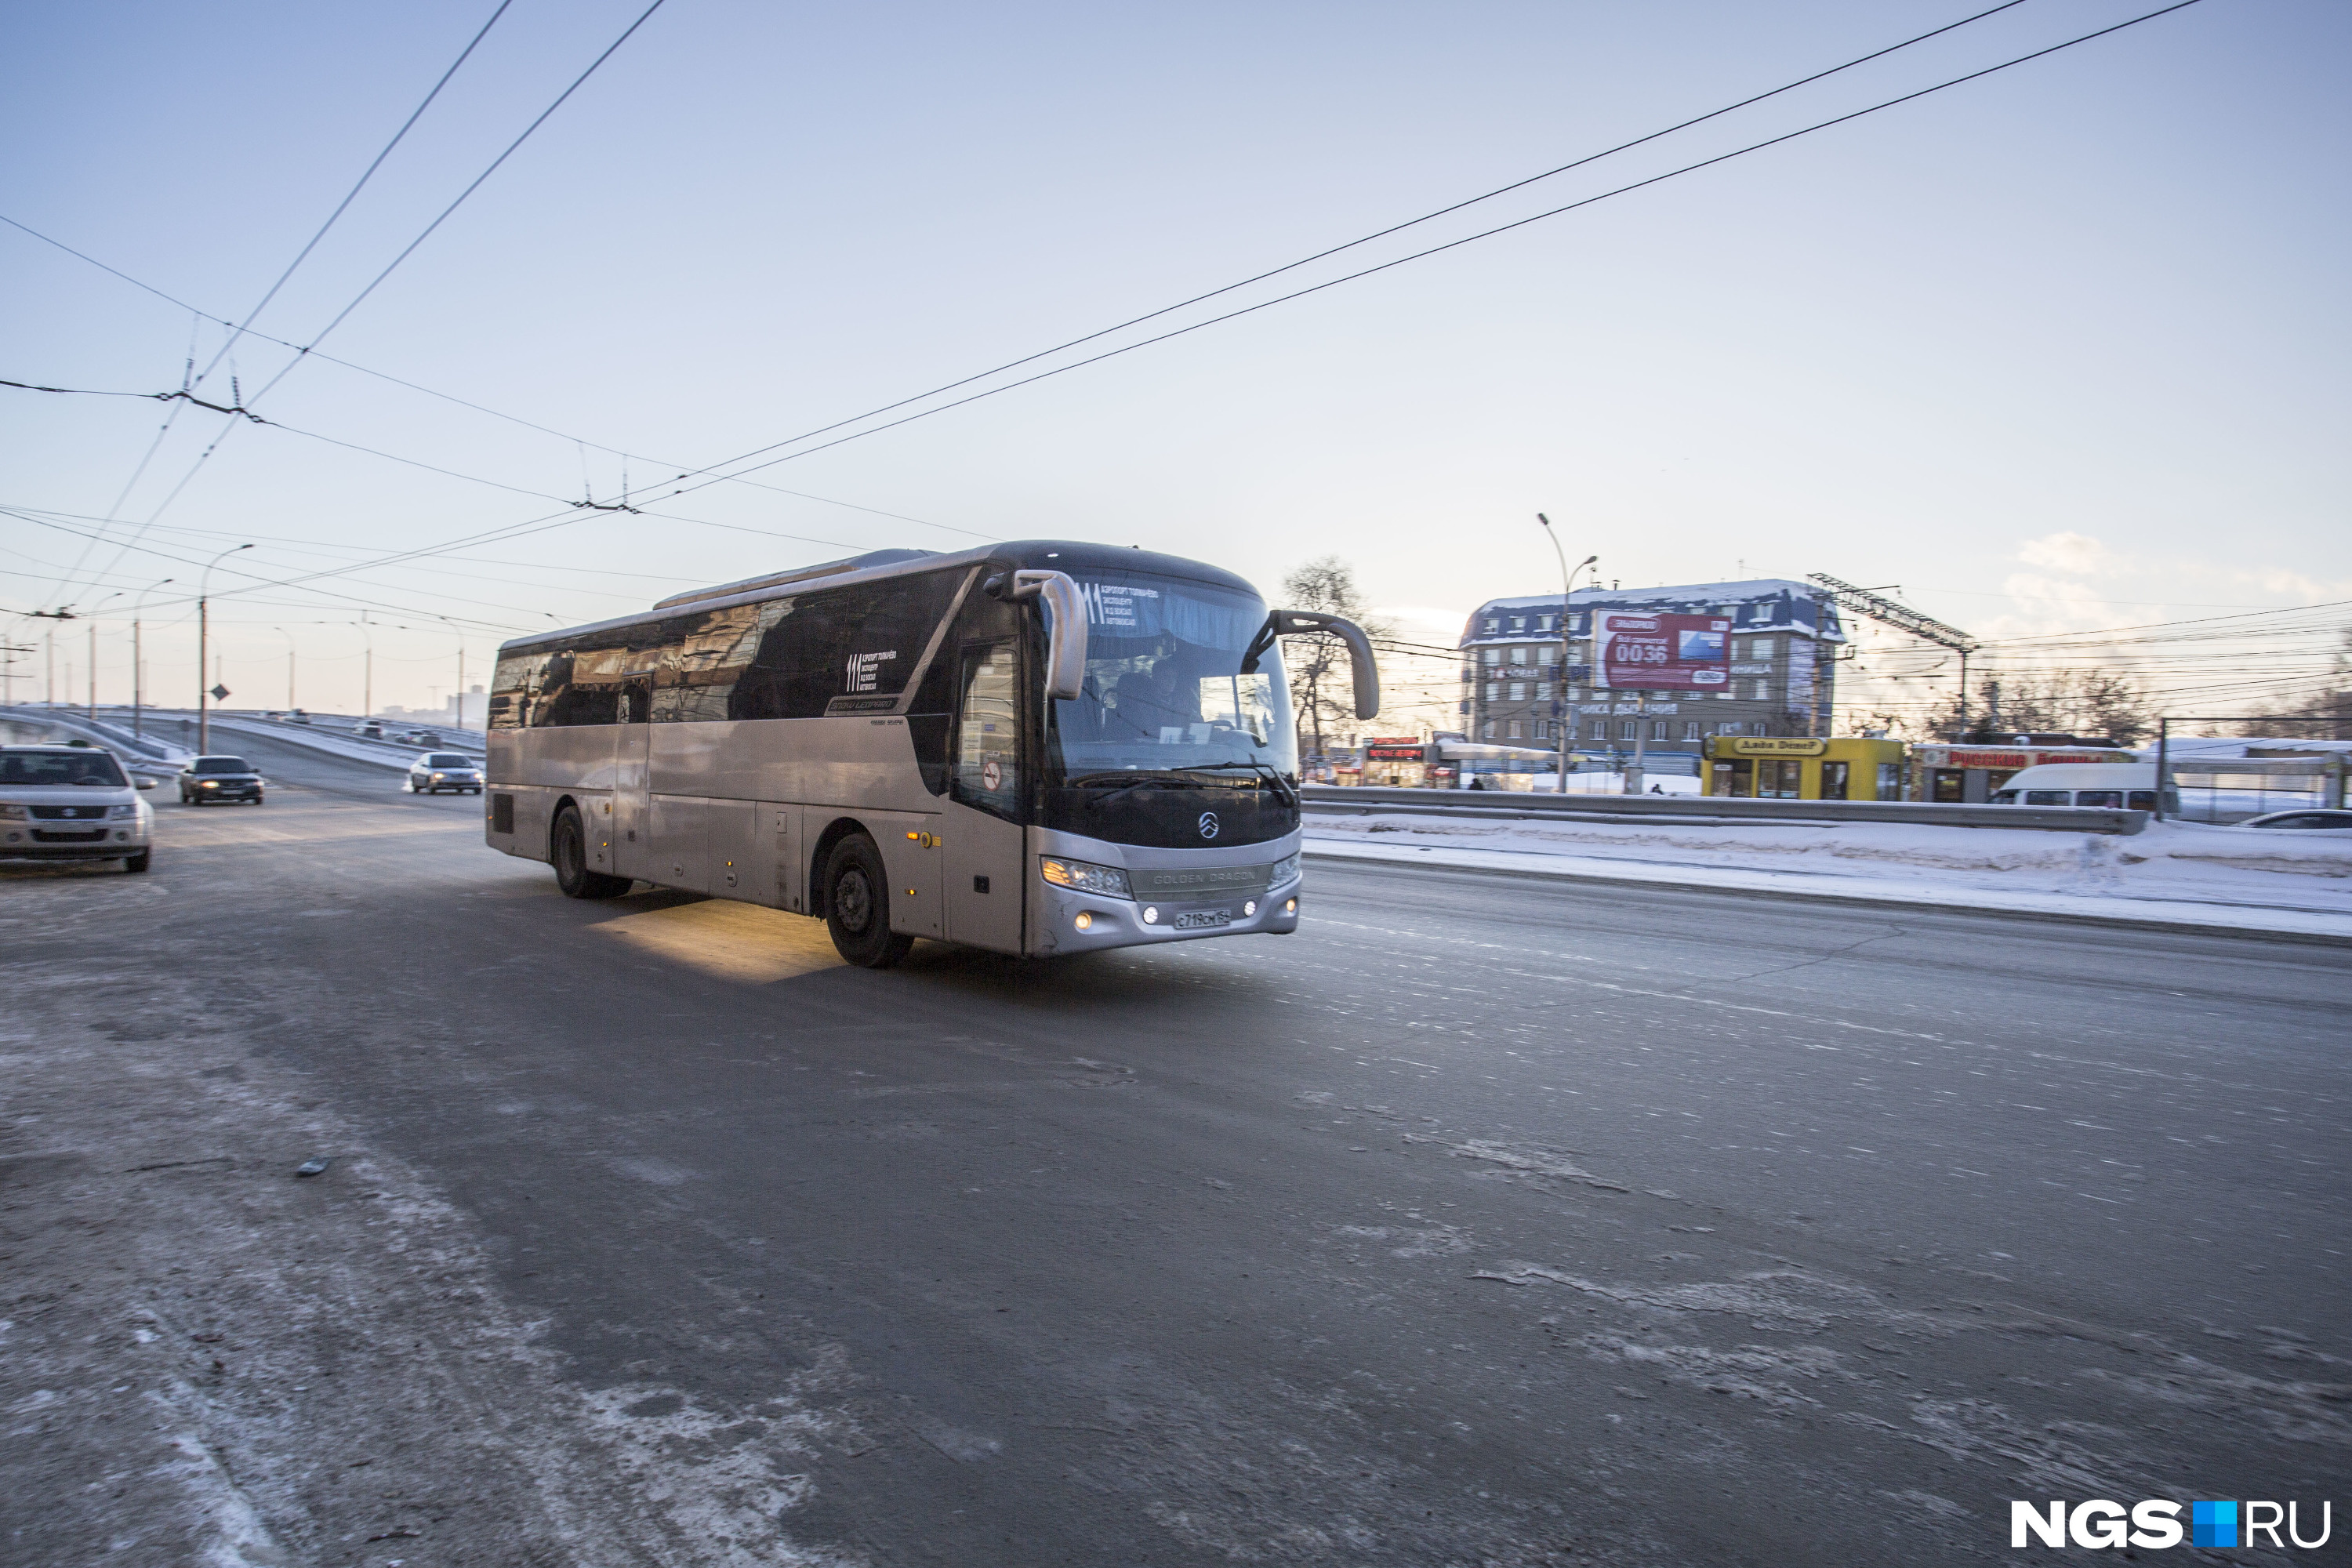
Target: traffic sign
x,y
220,693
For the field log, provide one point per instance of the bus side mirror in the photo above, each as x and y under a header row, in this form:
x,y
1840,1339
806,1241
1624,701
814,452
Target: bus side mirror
x,y
1065,653
1302,623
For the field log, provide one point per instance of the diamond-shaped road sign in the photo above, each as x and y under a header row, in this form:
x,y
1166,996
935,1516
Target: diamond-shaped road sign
x,y
220,693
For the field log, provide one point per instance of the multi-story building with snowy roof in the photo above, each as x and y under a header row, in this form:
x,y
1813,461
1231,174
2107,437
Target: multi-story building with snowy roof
x,y
1776,660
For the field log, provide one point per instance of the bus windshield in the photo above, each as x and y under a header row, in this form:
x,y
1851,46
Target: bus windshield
x,y
1164,688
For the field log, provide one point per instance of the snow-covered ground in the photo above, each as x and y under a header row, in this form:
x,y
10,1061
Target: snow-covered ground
x,y
2175,872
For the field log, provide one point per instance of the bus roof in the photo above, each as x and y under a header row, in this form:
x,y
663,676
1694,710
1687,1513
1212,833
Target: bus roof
x,y
1022,554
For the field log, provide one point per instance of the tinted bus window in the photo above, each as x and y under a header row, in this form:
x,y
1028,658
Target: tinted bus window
x,y
583,685
512,688
705,657
847,650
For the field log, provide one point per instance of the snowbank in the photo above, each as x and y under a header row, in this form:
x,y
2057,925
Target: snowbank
x,y
2174,871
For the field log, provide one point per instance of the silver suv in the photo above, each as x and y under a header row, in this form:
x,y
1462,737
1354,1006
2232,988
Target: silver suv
x,y
72,803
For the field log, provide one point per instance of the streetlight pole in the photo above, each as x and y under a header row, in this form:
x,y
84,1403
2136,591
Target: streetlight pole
x,y
456,703
282,631
204,648
367,678
138,659
1564,726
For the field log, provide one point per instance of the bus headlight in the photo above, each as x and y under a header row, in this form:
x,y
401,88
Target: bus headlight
x,y
1083,877
1284,870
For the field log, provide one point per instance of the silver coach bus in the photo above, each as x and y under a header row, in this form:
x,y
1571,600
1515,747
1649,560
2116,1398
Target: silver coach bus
x,y
1035,748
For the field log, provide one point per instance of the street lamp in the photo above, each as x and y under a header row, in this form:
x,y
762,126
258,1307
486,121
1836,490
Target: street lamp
x,y
204,648
1566,590
138,659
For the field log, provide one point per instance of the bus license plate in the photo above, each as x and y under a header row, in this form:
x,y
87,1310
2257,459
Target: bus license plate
x,y
1203,920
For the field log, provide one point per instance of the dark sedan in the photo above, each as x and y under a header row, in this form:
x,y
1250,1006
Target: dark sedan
x,y
207,780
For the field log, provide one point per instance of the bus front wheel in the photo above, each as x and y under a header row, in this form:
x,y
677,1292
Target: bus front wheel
x,y
858,905
570,852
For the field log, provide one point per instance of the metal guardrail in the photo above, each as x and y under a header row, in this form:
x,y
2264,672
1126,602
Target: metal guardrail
x,y
1705,811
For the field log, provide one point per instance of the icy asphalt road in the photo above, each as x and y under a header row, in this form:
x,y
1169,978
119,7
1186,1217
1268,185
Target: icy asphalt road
x,y
1486,1221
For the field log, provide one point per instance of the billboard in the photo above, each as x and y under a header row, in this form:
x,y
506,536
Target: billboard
x,y
1634,652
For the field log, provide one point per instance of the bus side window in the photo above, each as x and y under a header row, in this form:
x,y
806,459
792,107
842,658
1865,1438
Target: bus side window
x,y
988,731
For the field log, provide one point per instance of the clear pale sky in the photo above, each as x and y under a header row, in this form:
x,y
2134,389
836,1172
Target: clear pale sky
x,y
2058,349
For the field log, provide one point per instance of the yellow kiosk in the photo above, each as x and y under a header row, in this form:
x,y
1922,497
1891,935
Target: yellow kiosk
x,y
1763,767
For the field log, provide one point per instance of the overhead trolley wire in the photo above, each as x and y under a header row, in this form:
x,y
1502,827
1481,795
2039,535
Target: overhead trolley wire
x,y
435,393
409,249
1377,233
1385,266
710,476
237,330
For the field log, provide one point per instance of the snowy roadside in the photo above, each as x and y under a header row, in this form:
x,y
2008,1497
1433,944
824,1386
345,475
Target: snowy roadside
x,y
380,754
205,1359
2173,873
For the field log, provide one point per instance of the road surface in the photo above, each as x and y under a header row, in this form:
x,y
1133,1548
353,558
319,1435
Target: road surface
x,y
1488,1220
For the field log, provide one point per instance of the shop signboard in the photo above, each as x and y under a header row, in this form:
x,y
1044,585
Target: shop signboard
x,y
1659,652
1769,746
1406,748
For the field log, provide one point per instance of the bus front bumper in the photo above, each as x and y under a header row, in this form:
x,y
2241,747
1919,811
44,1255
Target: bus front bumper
x,y
1082,922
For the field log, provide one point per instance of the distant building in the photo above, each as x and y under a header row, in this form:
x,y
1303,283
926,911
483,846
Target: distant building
x,y
1751,659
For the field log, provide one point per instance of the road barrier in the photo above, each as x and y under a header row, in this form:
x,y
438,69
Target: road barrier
x,y
1705,811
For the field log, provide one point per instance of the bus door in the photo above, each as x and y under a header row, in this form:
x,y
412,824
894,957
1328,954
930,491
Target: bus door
x,y
984,849
633,847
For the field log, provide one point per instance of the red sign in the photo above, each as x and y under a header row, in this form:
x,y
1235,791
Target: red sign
x,y
1648,653
1379,751
1960,759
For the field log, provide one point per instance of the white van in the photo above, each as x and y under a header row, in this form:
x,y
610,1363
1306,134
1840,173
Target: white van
x,y
2126,784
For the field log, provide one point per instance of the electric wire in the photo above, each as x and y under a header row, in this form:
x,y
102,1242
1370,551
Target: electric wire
x,y
1377,233
410,249
622,453
540,524
1416,255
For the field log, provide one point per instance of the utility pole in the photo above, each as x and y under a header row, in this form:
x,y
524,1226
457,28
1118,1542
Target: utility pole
x,y
204,648
93,672
138,661
1903,617
1563,723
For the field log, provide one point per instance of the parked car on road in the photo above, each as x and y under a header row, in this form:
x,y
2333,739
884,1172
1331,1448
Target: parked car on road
x,y
208,780
72,803
2325,821
437,771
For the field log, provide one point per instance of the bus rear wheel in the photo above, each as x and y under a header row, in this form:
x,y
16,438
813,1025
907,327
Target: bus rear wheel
x,y
858,906
568,847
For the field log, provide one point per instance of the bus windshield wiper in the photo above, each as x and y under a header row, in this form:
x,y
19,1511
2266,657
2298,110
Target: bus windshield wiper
x,y
1133,778
1267,770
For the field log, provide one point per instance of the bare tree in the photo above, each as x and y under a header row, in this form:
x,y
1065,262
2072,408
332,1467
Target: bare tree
x,y
2076,701
1320,686
2332,706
